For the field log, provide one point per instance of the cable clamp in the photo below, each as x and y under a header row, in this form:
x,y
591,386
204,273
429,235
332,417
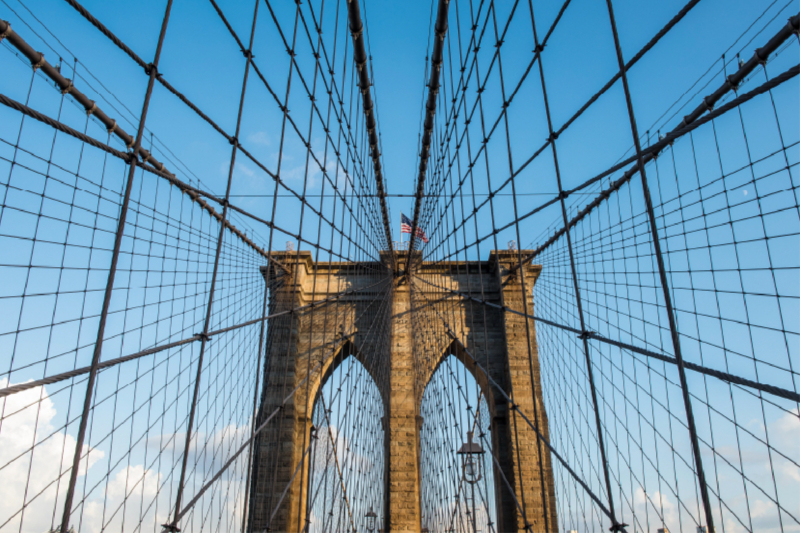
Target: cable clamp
x,y
90,111
618,527
563,195
113,126
234,141
170,527
6,32
69,86
585,334
203,336
553,136
762,60
539,49
248,54
39,63
150,68
794,23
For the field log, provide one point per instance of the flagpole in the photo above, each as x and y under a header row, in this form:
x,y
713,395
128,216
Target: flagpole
x,y
401,231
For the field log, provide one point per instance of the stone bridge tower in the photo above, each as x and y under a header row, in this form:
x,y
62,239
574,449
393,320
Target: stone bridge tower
x,y
304,347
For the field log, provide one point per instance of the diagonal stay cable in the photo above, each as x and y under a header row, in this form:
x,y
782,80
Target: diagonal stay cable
x,y
320,364
690,122
8,391
67,87
192,191
515,408
648,154
249,441
725,376
680,15
231,139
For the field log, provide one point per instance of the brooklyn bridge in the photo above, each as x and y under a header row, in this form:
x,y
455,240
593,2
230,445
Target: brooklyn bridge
x,y
421,266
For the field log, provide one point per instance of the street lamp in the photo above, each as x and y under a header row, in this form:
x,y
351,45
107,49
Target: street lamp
x,y
470,464
371,518
472,469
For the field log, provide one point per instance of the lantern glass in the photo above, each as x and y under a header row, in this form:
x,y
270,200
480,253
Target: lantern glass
x,y
470,464
472,469
371,519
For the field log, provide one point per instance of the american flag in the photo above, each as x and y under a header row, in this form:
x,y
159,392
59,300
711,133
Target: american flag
x,y
405,227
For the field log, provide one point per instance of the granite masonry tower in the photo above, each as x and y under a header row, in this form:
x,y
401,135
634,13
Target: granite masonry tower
x,y
491,334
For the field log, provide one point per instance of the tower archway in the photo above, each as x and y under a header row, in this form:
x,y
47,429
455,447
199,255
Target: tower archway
x,y
456,407
347,467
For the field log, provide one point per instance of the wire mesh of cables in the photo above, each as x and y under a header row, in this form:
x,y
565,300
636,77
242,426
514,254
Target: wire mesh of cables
x,y
664,318
169,364
145,312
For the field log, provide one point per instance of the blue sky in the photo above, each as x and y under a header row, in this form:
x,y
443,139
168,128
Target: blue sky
x,y
201,60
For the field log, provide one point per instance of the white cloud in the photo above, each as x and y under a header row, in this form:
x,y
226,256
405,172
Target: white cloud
x,y
31,478
132,494
260,138
336,174
244,169
660,508
238,168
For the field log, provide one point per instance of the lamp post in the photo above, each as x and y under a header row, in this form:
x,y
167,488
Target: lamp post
x,y
472,468
371,518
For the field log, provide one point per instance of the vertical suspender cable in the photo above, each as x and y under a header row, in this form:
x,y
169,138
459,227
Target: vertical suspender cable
x,y
673,326
98,347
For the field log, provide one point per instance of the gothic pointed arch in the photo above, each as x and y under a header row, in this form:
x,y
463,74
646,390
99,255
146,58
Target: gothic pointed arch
x,y
455,409
347,440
